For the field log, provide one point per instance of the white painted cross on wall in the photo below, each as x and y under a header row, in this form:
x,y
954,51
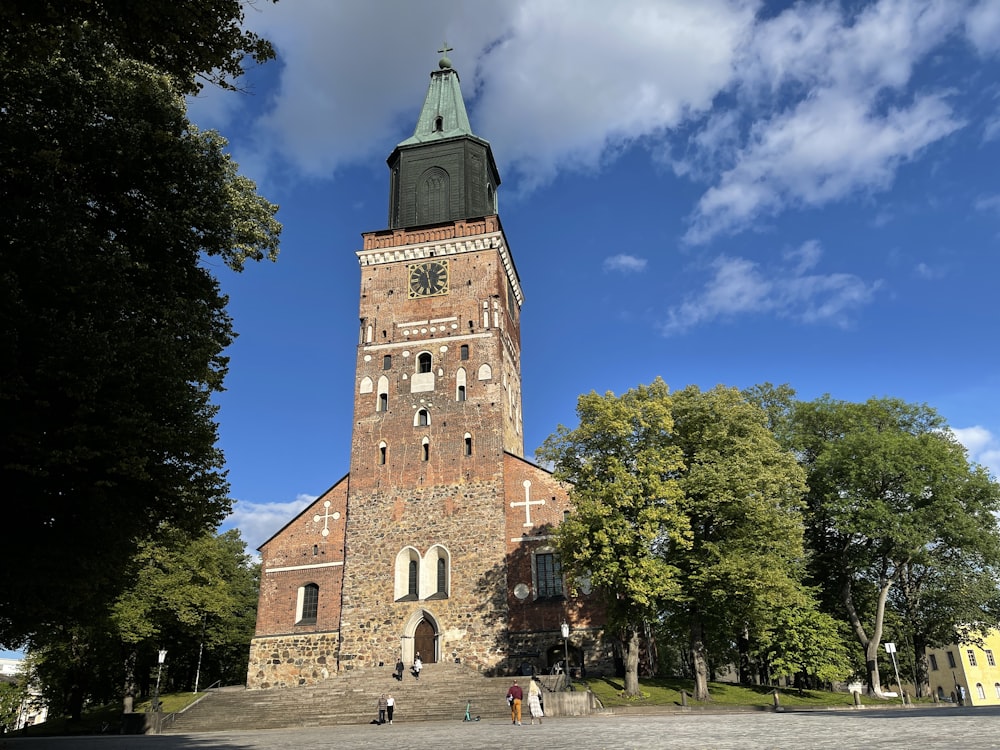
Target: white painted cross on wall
x,y
528,502
327,515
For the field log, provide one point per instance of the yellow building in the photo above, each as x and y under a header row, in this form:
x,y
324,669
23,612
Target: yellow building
x,y
974,669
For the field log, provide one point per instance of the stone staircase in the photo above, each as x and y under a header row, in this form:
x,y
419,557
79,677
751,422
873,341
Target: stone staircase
x,y
350,698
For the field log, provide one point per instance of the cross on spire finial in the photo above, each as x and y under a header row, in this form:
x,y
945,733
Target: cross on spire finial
x,y
444,63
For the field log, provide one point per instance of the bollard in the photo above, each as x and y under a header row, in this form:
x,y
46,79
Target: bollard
x,y
777,701
857,698
684,698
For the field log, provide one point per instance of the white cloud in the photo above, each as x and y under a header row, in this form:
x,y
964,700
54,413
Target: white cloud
x,y
624,263
930,273
983,446
573,82
258,522
826,79
808,107
988,203
742,287
983,27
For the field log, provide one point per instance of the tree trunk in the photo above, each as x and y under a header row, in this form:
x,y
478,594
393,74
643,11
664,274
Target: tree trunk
x,y
869,644
745,667
631,642
129,685
923,686
699,662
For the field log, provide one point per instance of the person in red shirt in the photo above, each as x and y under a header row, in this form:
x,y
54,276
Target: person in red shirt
x,y
514,696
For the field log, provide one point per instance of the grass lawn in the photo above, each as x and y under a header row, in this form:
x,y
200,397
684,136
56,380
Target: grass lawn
x,y
666,691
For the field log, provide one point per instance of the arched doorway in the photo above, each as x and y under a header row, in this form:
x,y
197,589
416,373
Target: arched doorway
x,y
425,642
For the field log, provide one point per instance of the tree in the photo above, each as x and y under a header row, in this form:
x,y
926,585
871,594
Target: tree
x,y
742,501
626,506
891,498
13,694
190,595
114,325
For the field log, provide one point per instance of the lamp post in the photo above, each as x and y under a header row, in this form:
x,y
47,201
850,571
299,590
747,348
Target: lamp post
x,y
890,649
565,634
161,657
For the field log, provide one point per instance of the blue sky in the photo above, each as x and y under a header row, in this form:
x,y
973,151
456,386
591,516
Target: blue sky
x,y
710,191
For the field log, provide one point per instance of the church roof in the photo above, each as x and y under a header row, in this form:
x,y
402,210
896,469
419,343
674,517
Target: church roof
x,y
443,115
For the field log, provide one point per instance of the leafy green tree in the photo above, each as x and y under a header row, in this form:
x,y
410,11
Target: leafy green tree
x,y
114,326
12,697
621,463
190,596
742,500
891,498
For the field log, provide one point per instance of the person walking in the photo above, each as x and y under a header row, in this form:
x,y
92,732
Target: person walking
x,y
382,705
390,706
514,697
535,702
417,666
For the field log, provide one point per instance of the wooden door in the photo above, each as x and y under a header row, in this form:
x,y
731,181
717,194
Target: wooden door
x,y
424,642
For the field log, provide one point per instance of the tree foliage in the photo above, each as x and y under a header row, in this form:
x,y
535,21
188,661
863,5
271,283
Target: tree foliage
x,y
892,499
195,597
114,327
621,464
742,502
687,509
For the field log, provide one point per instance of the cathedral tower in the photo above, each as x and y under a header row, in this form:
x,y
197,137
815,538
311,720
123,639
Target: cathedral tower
x,y
437,540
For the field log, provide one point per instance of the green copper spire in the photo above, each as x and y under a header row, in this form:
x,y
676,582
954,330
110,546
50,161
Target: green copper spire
x,y
443,172
443,114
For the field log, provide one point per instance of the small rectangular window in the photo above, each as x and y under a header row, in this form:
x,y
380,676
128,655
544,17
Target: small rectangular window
x,y
934,665
387,362
951,660
464,351
972,657
989,658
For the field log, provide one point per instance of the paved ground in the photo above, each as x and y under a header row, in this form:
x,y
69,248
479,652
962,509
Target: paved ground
x,y
912,729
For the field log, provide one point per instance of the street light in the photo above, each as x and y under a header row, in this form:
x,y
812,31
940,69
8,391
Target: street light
x,y
565,634
162,657
890,648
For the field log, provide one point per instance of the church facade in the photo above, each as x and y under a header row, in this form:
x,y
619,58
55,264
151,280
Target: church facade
x,y
438,539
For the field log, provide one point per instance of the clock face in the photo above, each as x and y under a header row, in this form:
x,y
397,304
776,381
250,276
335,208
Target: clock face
x,y
428,279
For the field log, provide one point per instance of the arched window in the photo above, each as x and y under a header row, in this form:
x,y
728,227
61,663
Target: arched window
x,y
424,362
307,605
980,691
460,384
433,189
437,574
367,386
412,579
383,394
422,418
426,446
438,124
996,686
485,372
407,576
468,444
382,450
